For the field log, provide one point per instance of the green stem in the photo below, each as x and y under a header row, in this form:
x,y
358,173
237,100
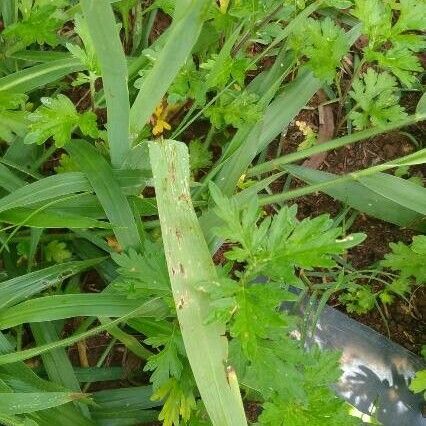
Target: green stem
x,y
351,176
334,144
209,136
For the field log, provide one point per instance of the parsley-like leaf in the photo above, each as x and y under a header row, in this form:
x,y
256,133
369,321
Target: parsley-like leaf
x,y
67,164
234,110
400,61
277,246
389,44
143,275
292,382
168,362
178,397
409,260
376,19
418,383
222,67
189,83
39,27
56,251
376,98
323,407
58,118
400,286
324,44
86,55
359,299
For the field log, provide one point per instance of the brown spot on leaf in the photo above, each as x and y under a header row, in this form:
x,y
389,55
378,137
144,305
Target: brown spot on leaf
x,y
181,303
184,197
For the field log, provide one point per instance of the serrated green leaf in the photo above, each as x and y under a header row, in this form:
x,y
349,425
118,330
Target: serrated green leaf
x,y
409,260
142,275
359,299
168,363
57,252
40,27
58,118
323,43
418,383
375,95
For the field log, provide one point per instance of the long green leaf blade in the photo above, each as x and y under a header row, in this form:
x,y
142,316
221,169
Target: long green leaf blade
x,y
56,363
401,191
69,414
30,402
24,286
104,33
153,308
100,175
189,262
121,406
45,218
39,75
46,189
51,308
360,198
182,36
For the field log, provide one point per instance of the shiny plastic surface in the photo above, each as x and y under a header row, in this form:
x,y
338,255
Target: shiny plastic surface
x,y
376,370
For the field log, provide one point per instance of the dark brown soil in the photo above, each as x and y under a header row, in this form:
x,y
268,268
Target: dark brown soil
x,y
368,153
162,22
253,410
379,235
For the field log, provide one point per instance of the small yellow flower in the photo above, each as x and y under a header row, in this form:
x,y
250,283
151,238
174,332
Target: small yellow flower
x,y
304,128
309,134
159,118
